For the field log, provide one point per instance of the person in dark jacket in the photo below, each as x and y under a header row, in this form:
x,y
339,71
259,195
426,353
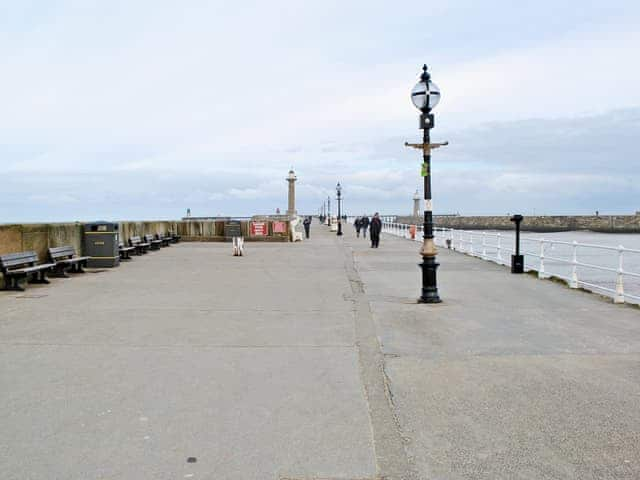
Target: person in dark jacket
x,y
376,228
307,226
357,225
364,225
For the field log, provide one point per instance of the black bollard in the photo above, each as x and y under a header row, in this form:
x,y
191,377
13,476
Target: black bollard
x,y
517,260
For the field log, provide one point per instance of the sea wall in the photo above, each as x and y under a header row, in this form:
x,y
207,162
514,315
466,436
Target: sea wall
x,y
550,223
40,237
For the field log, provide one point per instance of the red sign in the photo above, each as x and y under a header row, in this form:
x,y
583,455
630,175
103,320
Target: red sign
x,y
279,227
258,229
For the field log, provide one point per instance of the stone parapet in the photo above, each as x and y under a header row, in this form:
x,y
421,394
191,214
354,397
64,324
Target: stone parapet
x,y
547,223
41,236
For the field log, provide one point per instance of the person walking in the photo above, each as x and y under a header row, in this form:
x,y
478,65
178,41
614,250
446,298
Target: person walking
x,y
376,228
357,225
307,226
364,225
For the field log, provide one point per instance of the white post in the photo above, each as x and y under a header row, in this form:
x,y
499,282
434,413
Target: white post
x,y
574,269
498,252
484,245
238,246
460,247
619,297
541,273
471,243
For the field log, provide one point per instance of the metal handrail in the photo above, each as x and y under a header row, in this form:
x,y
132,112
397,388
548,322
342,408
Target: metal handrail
x,y
463,241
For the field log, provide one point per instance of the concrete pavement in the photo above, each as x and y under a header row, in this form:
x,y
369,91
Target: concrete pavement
x,y
313,361
510,377
247,364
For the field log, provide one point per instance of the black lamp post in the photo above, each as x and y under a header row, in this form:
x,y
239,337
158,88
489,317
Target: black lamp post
x,y
329,211
339,195
425,96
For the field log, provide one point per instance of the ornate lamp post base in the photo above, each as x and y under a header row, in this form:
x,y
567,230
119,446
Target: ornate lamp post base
x,y
429,286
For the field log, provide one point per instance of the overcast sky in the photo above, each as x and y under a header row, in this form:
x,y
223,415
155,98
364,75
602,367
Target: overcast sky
x,y
141,109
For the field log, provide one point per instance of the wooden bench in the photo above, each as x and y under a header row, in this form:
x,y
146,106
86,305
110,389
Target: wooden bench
x,y
175,238
166,240
140,246
125,252
19,266
155,244
64,259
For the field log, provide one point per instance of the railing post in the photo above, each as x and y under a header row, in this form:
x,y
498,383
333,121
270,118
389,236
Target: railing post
x,y
574,269
619,296
498,250
541,273
460,246
484,245
471,243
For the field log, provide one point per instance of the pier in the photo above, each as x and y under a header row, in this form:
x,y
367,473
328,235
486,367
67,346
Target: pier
x,y
312,360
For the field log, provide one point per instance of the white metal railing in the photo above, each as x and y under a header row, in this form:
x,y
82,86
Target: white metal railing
x,y
551,258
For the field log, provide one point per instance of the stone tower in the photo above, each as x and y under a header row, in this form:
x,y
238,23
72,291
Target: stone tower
x,y
291,210
416,204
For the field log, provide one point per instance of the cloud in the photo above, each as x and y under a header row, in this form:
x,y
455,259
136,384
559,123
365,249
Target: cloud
x,y
148,108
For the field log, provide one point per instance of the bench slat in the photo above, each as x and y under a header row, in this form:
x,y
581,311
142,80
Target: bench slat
x,y
35,268
18,259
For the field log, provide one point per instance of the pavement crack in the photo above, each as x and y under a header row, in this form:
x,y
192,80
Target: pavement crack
x,y
392,460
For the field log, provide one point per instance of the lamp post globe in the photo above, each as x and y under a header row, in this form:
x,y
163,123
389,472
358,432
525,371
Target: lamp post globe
x,y
425,96
339,197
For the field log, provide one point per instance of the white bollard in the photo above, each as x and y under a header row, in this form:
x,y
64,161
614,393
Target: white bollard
x,y
238,246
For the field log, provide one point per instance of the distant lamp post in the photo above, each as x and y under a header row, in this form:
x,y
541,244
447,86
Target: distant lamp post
x,y
329,211
425,96
339,195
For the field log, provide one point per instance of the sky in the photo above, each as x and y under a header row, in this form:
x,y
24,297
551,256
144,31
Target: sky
x,y
142,109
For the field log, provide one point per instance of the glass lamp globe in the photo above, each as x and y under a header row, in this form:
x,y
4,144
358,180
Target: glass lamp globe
x,y
420,93
338,188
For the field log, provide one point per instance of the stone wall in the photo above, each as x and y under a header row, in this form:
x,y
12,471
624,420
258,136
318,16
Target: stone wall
x,y
42,236
551,223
